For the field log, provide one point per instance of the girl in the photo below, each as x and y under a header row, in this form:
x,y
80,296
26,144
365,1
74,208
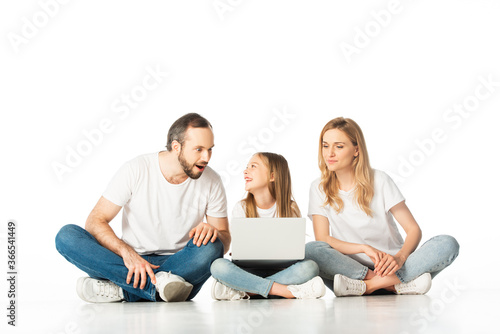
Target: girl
x,y
269,187
352,208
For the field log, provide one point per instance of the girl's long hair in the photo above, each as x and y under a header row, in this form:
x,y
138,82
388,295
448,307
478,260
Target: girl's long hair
x,y
363,173
280,188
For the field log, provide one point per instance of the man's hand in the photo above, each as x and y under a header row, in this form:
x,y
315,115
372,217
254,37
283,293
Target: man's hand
x,y
138,267
203,233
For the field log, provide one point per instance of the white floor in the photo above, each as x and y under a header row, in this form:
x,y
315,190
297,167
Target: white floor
x,y
447,308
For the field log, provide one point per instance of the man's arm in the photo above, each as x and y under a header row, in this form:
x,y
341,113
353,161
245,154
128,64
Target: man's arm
x,y
97,224
215,228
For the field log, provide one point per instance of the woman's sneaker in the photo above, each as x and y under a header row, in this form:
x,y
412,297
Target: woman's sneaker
x,y
419,286
345,286
172,288
94,290
312,289
223,292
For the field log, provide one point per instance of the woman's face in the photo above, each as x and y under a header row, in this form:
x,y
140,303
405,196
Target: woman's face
x,y
256,174
338,151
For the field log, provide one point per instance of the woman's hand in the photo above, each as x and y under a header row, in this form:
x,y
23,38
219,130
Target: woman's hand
x,y
374,254
389,264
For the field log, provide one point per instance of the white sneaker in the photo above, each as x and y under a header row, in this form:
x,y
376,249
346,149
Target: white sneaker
x,y
345,286
223,292
314,288
98,291
419,286
172,288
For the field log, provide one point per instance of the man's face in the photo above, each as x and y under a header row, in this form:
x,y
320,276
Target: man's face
x,y
196,151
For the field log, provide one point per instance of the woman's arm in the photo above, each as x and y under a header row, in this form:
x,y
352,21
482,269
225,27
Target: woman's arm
x,y
390,264
322,233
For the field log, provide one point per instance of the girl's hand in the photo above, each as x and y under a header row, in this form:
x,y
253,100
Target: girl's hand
x,y
389,264
374,254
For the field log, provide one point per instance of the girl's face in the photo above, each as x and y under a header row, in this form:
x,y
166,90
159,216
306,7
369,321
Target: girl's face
x,y
338,151
256,175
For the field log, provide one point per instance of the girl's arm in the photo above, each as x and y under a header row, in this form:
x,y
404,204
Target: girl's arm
x,y
390,264
322,233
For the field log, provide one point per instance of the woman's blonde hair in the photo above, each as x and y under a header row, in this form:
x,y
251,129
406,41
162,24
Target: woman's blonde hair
x,y
363,173
280,188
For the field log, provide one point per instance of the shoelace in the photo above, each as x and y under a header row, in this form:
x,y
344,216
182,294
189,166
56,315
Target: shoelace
x,y
107,289
235,294
356,285
240,295
301,291
405,287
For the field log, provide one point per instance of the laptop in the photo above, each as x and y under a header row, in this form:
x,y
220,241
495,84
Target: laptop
x,y
268,243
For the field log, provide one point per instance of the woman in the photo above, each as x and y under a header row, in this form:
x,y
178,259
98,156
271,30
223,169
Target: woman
x,y
352,208
268,183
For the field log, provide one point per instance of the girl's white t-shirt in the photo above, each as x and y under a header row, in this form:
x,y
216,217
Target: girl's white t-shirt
x,y
157,215
239,211
354,225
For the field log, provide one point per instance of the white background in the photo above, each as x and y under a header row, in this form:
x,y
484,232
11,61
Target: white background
x,y
238,68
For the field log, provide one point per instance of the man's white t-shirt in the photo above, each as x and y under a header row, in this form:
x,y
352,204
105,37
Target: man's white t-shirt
x,y
239,211
354,225
157,215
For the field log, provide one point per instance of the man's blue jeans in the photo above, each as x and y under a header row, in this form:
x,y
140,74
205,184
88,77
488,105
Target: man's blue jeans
x,y
191,263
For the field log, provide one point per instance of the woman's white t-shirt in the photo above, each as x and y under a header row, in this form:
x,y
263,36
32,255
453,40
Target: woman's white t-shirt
x,y
158,215
354,225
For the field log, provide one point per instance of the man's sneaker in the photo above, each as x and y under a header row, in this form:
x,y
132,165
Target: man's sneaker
x,y
345,286
223,292
98,291
314,288
419,286
172,288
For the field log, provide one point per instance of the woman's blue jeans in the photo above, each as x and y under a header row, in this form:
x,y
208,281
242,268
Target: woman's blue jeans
x,y
261,281
191,263
432,257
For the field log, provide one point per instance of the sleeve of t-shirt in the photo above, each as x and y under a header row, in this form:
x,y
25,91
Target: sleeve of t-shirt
x,y
390,191
119,190
316,201
217,203
238,210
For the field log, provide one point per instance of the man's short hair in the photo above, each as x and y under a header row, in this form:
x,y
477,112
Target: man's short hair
x,y
178,130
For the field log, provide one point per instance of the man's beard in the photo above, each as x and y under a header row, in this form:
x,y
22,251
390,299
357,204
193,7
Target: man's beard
x,y
189,169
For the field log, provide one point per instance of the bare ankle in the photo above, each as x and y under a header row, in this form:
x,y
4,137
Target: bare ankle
x,y
369,274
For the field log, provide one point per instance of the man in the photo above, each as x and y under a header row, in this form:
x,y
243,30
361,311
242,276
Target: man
x,y
166,250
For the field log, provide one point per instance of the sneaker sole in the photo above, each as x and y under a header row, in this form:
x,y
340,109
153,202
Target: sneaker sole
x,y
79,289
213,290
176,292
336,280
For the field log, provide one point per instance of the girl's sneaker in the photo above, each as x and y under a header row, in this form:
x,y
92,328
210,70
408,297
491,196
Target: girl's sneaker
x,y
312,289
223,292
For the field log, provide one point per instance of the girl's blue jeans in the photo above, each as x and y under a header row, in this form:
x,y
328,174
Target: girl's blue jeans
x,y
261,281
